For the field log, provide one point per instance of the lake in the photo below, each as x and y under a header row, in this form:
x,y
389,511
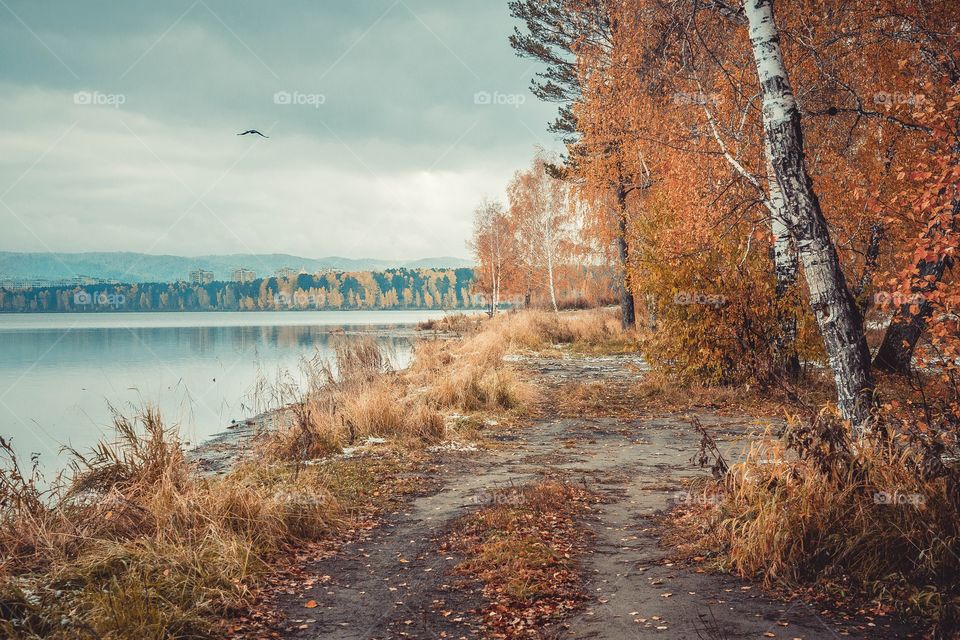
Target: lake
x,y
59,373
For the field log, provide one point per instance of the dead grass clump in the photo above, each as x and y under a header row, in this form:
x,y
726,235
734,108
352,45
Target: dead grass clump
x,y
364,399
427,424
476,388
342,416
594,331
134,545
144,454
468,375
878,517
458,323
360,359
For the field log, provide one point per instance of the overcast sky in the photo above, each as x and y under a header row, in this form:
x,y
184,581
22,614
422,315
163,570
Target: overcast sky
x,y
119,124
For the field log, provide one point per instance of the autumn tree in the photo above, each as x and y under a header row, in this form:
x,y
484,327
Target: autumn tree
x,y
558,33
494,247
541,213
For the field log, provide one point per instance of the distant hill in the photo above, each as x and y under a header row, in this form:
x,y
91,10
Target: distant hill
x,y
142,267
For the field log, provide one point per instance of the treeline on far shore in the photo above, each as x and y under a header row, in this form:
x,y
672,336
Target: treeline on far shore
x,y
388,289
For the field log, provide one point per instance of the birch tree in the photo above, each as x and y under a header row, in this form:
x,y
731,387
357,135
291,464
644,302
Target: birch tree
x,y
540,212
493,245
834,307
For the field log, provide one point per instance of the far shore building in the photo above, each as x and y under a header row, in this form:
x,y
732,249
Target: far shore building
x,y
201,276
243,275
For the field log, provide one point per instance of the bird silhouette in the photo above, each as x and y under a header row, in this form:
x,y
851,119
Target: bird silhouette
x,y
249,131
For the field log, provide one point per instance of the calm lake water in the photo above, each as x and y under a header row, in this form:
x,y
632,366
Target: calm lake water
x,y
60,372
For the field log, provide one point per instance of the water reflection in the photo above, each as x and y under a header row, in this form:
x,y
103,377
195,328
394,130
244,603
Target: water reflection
x,y
55,383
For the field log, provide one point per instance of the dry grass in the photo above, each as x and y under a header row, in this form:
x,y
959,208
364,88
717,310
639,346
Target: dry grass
x,y
469,375
867,521
365,400
135,545
594,331
458,323
355,398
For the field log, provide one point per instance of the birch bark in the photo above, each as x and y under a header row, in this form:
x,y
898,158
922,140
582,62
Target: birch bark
x,y
833,305
785,265
548,235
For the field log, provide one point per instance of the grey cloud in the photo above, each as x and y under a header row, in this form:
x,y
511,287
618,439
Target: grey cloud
x,y
391,164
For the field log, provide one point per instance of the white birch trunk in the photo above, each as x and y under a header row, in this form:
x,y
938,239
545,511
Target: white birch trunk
x,y
834,307
498,261
785,265
549,247
493,288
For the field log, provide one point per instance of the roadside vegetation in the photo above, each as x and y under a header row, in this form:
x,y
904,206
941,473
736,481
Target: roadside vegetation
x,y
136,545
775,191
134,542
873,523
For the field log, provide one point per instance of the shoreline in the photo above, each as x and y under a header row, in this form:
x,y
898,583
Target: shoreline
x,y
220,452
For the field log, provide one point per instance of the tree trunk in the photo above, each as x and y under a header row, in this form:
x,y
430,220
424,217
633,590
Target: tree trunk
x,y
869,264
553,291
785,266
900,341
628,317
833,305
548,246
493,286
896,350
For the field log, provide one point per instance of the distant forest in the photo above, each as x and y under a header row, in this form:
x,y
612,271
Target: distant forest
x,y
389,289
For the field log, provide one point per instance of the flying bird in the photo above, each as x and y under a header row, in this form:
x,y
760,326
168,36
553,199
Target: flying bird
x,y
249,131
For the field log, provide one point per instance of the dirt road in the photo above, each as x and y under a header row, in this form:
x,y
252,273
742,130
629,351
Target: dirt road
x,y
395,582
